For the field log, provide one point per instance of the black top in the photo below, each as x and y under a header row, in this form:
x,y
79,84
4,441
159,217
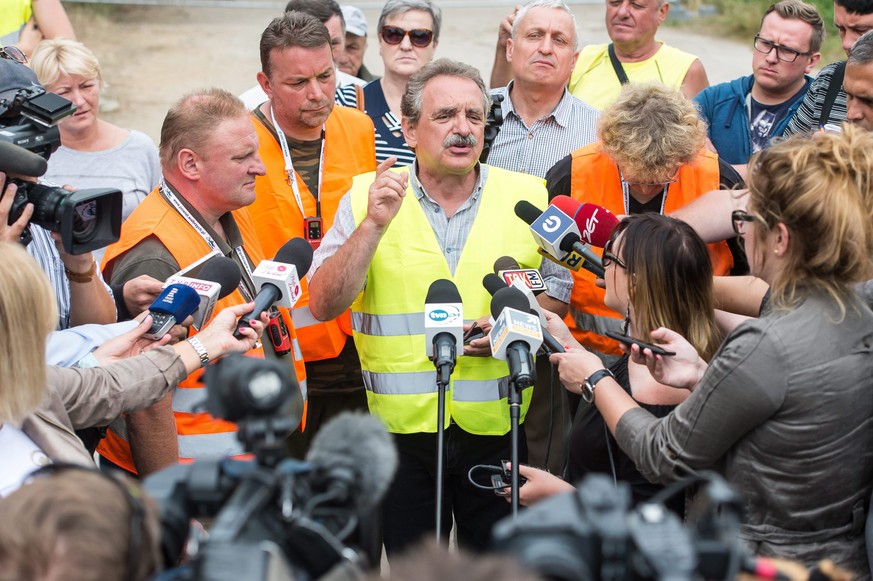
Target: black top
x,y
589,452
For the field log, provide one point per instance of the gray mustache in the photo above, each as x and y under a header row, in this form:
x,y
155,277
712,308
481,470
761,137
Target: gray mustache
x,y
457,140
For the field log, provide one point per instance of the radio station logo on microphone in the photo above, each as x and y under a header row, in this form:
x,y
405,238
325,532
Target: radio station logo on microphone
x,y
550,225
590,226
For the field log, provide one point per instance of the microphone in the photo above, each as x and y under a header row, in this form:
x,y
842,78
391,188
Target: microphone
x,y
508,268
17,160
557,234
353,460
516,334
494,283
443,326
218,278
278,280
173,305
595,223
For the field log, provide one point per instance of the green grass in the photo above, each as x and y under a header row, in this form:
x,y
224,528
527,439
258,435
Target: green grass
x,y
739,19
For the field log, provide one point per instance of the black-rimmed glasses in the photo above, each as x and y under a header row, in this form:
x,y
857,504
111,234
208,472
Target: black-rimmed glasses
x,y
608,257
419,37
783,53
13,53
739,219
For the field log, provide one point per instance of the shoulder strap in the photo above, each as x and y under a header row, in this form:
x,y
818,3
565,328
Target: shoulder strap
x,y
616,65
359,95
834,87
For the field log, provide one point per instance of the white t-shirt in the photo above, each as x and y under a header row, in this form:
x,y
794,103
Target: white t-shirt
x,y
19,458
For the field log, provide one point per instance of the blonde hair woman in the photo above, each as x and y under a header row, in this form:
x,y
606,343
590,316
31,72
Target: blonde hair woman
x,y
94,153
41,406
784,408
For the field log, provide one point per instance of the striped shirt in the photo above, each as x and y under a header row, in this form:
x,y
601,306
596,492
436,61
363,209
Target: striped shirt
x,y
806,118
389,137
44,251
535,149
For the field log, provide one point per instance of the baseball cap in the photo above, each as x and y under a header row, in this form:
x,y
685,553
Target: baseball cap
x,y
14,77
356,23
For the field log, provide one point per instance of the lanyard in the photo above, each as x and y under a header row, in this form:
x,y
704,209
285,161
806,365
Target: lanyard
x,y
625,190
168,194
290,175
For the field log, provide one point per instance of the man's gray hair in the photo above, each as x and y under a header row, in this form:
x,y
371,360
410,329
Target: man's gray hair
x,y
557,5
393,7
862,50
410,105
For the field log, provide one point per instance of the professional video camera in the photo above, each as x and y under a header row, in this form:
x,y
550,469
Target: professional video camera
x,y
274,518
86,219
593,535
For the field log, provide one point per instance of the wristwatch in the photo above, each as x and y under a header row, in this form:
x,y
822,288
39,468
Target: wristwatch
x,y
587,387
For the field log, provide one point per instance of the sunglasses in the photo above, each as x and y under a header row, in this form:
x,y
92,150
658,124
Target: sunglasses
x,y
608,257
13,53
418,37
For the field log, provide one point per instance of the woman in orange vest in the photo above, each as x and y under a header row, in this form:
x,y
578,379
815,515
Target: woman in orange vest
x,y
650,158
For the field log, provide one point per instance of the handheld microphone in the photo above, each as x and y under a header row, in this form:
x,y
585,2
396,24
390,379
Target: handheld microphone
x,y
17,160
557,234
353,460
516,335
443,326
278,280
173,305
494,283
218,278
595,223
509,269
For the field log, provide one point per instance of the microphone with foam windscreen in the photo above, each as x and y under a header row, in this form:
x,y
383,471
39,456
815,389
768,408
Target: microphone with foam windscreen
x,y
353,462
218,277
494,283
595,223
17,160
278,280
558,236
516,335
443,326
173,305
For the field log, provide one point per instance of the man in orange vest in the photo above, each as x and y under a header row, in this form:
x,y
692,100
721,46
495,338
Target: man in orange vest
x,y
650,158
311,151
209,159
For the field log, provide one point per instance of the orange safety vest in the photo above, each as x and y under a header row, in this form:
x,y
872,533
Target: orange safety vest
x,y
200,434
349,150
595,180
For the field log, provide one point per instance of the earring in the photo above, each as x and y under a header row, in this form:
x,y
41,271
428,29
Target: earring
x,y
625,326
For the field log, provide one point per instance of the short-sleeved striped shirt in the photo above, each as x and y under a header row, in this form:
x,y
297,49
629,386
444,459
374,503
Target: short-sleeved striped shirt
x,y
389,138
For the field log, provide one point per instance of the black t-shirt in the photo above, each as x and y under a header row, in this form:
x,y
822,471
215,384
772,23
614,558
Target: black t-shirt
x,y
763,118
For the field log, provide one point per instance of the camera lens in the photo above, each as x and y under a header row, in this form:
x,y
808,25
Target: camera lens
x,y
84,221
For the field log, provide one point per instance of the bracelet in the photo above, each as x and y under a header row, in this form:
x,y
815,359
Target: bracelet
x,y
81,277
200,349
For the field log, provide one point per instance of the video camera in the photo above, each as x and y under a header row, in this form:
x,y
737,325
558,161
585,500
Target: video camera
x,y
593,534
85,219
274,518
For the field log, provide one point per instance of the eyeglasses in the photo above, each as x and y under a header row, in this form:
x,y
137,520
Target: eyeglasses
x,y
419,37
13,53
739,219
608,257
783,53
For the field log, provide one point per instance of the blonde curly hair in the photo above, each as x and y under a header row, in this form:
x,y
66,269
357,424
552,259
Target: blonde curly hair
x,y
651,131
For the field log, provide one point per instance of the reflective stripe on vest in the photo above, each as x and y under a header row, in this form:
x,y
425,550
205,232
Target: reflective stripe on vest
x,y
388,321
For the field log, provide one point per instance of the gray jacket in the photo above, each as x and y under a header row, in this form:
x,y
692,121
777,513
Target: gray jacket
x,y
785,412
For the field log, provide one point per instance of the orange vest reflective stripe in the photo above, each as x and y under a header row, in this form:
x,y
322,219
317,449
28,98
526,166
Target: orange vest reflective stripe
x,y
200,434
349,150
595,180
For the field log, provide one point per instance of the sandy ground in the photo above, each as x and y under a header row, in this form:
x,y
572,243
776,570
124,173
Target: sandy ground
x,y
151,55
